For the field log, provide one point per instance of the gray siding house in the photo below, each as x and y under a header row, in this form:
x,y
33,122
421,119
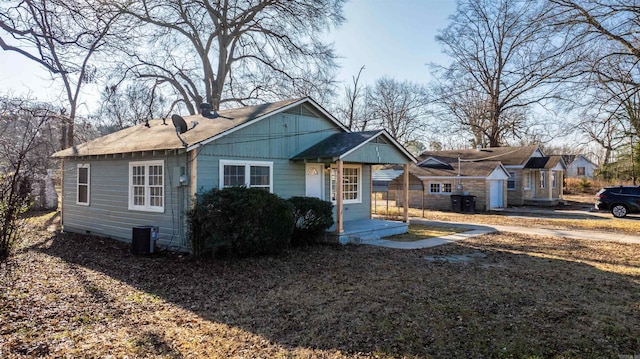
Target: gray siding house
x,y
578,166
149,174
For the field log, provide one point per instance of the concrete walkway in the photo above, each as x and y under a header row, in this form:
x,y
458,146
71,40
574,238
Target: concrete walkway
x,y
480,229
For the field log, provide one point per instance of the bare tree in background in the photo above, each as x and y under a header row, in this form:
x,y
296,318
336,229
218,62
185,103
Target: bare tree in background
x,y
63,37
398,107
612,116
26,146
129,105
506,59
233,51
353,109
608,28
608,31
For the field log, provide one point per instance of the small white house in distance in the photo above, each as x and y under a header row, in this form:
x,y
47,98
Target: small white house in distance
x,y
149,174
578,166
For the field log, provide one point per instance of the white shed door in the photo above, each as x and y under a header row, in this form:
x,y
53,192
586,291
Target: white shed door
x,y
314,180
495,194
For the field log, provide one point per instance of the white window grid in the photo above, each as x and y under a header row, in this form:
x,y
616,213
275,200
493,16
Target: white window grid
x,y
146,186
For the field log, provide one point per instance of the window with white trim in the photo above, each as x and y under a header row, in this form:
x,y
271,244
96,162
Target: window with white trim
x,y
351,184
83,184
251,174
527,184
511,181
436,188
543,179
146,186
581,171
553,179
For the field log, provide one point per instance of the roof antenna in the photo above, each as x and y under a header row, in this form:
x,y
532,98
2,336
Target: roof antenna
x,y
164,121
146,123
181,127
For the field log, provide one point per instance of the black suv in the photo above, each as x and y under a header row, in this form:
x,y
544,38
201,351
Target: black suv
x,y
619,200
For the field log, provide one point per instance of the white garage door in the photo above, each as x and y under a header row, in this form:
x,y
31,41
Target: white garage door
x,y
495,195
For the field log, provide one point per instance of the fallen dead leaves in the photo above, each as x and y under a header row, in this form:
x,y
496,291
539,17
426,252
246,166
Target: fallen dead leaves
x,y
66,295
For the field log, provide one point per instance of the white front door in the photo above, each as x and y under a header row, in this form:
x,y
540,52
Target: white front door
x,y
495,194
314,180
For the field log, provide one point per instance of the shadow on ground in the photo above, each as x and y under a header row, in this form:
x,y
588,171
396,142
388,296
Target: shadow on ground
x,y
524,298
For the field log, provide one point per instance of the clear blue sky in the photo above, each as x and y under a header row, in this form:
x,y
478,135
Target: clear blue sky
x,y
389,37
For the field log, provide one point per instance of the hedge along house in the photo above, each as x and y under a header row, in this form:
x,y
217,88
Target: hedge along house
x,y
149,174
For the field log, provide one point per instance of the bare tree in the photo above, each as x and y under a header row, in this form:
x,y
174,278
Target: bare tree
x,y
610,27
608,31
612,115
507,58
25,146
62,36
398,107
233,51
353,110
128,105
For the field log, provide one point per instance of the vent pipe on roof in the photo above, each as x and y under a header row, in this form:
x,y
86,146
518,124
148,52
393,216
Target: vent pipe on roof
x,y
205,110
479,147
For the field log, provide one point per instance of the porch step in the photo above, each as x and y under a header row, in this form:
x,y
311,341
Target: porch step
x,y
362,231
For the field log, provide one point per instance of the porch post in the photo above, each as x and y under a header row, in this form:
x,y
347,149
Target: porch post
x,y
371,191
339,182
561,184
405,217
550,183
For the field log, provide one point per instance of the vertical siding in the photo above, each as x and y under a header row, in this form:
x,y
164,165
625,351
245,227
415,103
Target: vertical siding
x,y
108,213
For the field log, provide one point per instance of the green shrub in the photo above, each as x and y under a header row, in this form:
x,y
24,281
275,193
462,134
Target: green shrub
x,y
585,185
312,217
240,221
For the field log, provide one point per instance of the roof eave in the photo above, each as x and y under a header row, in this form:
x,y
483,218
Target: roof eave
x,y
263,116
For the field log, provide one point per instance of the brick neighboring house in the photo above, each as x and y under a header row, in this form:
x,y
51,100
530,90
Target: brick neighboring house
x,y
484,180
497,177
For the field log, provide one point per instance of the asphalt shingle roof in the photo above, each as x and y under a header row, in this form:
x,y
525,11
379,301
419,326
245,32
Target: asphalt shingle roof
x,y
508,156
162,136
336,145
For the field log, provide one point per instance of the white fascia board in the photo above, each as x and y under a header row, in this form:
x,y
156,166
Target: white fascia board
x,y
394,142
431,158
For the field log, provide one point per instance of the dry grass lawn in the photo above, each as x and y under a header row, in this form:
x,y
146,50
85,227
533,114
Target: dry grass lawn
x,y
420,231
559,219
65,295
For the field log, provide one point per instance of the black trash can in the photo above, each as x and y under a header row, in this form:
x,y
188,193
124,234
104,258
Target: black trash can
x,y
456,203
469,204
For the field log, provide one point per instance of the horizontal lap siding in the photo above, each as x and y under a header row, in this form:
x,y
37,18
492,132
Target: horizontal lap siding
x,y
354,211
275,139
108,213
361,210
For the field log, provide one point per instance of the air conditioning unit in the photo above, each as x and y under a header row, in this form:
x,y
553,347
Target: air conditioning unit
x,y
143,239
